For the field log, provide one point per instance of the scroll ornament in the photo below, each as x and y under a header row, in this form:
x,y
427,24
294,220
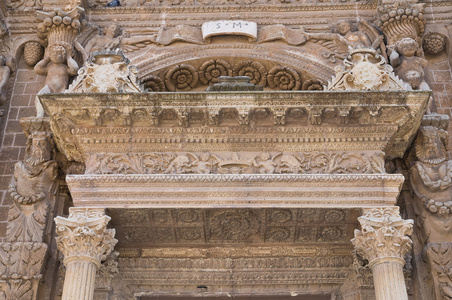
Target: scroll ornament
x,y
365,70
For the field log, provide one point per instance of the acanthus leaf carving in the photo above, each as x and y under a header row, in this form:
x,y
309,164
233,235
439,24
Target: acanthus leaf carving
x,y
384,234
22,259
246,163
84,234
439,258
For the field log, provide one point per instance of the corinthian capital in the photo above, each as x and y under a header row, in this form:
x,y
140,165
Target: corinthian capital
x,y
84,235
384,235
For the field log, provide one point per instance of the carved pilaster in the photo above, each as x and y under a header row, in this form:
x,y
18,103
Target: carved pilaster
x,y
439,258
384,241
108,270
431,184
23,255
84,241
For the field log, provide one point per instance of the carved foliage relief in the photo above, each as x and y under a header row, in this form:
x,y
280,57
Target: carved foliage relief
x,y
235,163
384,234
439,257
84,234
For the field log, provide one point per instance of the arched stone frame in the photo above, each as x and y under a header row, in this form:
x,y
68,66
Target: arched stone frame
x,y
313,63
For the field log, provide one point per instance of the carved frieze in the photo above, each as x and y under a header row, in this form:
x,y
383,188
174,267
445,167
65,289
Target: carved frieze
x,y
235,163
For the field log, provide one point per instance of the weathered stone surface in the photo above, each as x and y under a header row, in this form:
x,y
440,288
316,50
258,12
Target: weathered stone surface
x,y
230,194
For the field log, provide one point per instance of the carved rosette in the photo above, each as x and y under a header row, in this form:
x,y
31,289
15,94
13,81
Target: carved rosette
x,y
182,77
365,70
84,235
253,69
153,83
401,20
284,78
312,85
384,235
211,70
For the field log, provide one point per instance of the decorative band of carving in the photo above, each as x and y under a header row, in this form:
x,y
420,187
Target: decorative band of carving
x,y
235,163
397,179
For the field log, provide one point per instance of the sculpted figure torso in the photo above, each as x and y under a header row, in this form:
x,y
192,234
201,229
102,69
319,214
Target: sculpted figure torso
x,y
4,76
407,65
58,65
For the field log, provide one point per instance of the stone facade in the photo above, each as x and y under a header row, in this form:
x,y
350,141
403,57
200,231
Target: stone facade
x,y
272,149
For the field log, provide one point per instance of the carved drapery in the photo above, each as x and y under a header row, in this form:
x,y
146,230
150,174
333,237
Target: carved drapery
x,y
384,241
84,241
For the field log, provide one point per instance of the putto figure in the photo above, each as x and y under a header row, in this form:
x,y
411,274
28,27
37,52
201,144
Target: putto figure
x,y
58,65
358,39
407,63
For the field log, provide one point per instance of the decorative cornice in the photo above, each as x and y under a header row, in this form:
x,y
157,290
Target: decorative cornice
x,y
145,111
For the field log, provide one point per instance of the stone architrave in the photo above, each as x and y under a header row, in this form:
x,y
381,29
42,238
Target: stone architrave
x,y
84,241
384,241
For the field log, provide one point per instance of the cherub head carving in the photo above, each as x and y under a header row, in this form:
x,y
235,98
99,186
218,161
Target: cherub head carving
x,y
343,27
430,145
407,47
57,53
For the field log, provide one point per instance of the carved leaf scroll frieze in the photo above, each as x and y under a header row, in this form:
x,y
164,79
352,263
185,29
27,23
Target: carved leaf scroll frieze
x,y
235,163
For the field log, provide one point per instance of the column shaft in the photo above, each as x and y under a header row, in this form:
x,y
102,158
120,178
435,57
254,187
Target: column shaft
x,y
389,281
85,241
79,281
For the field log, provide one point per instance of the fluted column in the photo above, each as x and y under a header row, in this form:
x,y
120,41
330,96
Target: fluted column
x,y
85,241
384,241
